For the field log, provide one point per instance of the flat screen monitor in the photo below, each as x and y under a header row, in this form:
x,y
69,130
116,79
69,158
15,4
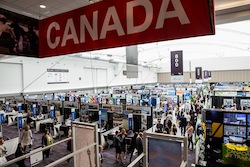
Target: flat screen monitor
x,y
234,119
237,131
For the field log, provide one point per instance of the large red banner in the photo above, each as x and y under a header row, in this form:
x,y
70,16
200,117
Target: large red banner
x,y
113,23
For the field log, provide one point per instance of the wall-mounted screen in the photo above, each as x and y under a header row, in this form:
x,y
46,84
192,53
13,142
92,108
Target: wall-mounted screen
x,y
245,104
228,103
238,131
235,118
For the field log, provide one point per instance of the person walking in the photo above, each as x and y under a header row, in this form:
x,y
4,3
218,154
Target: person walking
x,y
27,139
190,130
183,124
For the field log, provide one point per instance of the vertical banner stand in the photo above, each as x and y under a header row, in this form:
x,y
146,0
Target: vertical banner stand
x,y
34,110
130,121
99,99
100,118
20,119
73,114
52,112
1,122
7,106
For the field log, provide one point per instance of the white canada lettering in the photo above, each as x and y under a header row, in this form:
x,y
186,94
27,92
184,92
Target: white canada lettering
x,y
178,12
57,40
131,28
67,36
93,31
112,22
111,13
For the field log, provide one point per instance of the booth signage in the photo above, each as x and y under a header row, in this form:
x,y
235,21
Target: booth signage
x,y
113,23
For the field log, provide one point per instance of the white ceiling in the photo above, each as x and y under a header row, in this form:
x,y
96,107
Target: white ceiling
x,y
231,40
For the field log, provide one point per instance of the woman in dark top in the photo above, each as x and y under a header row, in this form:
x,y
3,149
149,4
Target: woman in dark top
x,y
20,152
133,146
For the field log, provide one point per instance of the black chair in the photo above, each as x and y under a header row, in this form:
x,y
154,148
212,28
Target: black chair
x,y
110,140
42,127
60,133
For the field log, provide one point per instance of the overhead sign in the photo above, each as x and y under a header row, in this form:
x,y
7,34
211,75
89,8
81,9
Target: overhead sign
x,y
209,75
205,74
115,23
198,74
177,66
176,63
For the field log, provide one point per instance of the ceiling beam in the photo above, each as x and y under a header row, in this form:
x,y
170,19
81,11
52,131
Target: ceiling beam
x,y
233,14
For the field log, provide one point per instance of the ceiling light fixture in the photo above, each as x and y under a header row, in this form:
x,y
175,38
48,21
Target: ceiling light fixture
x,y
42,6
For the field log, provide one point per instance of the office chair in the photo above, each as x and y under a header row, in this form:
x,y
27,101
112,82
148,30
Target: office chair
x,y
109,140
60,133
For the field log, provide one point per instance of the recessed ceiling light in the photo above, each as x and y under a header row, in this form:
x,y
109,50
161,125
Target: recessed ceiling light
x,y
42,6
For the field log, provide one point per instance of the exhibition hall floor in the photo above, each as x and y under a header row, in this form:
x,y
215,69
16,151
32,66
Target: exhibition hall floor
x,y
60,150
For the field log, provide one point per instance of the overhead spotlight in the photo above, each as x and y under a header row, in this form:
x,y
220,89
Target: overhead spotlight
x,y
42,6
91,1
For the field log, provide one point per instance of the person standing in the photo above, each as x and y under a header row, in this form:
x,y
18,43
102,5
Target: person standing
x,y
20,152
190,130
139,145
124,144
159,127
27,137
117,143
174,129
47,140
3,152
183,124
133,146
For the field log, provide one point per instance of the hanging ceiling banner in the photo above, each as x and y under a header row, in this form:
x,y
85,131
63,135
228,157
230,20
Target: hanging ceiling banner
x,y
205,75
198,74
113,23
177,66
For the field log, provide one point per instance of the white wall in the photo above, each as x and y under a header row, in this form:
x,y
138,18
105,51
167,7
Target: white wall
x,y
11,80
99,74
